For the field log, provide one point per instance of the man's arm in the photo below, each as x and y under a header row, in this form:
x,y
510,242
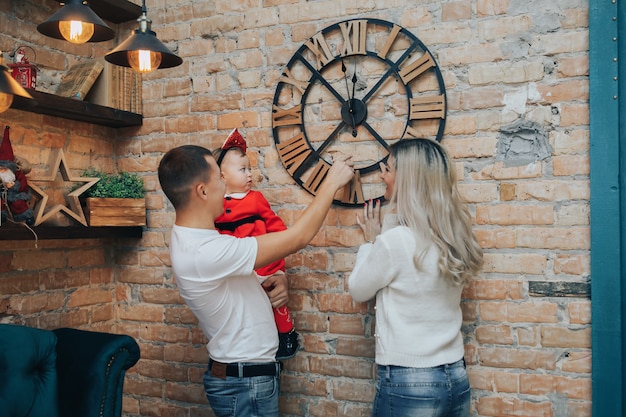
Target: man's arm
x,y
273,246
273,222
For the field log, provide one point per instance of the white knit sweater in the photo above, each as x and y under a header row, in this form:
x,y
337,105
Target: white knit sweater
x,y
418,313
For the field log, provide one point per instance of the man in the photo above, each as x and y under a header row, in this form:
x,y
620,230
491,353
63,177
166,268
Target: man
x,y
215,276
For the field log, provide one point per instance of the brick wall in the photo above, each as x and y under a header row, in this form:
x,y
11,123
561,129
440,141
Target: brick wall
x,y
516,77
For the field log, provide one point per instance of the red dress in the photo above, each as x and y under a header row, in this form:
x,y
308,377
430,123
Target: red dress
x,y
251,215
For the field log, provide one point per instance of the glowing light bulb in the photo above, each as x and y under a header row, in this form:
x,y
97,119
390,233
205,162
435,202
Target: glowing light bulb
x,y
143,60
5,101
75,31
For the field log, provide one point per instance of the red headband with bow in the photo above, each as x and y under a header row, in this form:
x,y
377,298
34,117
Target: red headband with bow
x,y
234,140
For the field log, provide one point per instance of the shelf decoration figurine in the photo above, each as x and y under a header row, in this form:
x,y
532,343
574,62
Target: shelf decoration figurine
x,y
73,208
9,88
23,71
15,194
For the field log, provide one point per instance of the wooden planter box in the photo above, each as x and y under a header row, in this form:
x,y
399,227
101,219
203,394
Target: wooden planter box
x,y
116,211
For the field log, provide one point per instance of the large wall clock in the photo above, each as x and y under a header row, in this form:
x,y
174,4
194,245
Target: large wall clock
x,y
356,87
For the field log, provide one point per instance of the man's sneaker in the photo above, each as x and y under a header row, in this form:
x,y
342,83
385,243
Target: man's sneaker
x,y
288,345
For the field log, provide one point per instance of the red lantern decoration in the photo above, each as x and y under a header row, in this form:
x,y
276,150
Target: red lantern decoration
x,y
23,71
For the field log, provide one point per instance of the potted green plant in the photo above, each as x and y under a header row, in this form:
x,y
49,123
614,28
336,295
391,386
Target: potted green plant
x,y
115,200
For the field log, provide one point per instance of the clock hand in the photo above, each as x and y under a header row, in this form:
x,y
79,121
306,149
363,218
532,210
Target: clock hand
x,y
354,80
345,77
344,69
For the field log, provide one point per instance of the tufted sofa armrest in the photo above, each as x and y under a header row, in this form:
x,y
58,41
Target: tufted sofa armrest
x,y
28,375
90,370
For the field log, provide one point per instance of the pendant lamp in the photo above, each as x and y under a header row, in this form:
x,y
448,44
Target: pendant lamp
x,y
142,51
9,88
77,23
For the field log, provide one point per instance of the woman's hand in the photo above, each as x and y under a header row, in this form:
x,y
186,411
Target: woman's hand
x,y
371,224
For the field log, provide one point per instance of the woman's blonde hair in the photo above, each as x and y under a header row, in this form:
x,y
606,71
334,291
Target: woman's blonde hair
x,y
429,204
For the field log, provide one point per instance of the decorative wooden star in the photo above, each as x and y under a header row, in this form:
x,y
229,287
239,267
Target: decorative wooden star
x,y
75,211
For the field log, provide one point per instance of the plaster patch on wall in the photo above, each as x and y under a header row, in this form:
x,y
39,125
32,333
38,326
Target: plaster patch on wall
x,y
516,101
533,92
522,143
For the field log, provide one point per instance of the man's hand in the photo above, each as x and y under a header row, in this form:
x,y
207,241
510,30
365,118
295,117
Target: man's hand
x,y
277,289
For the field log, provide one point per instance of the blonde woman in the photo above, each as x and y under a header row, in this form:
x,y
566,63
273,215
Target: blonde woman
x,y
416,263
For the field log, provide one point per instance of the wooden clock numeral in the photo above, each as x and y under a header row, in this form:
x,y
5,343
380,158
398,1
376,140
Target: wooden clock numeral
x,y
317,176
427,107
353,192
355,34
317,44
390,40
294,152
417,68
289,79
287,117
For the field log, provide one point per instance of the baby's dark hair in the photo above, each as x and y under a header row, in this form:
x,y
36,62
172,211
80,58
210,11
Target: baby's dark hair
x,y
220,153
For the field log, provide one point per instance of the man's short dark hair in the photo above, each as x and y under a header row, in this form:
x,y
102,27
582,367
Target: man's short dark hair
x,y
180,169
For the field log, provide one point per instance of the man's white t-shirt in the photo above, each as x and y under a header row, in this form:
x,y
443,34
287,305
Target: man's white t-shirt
x,y
215,276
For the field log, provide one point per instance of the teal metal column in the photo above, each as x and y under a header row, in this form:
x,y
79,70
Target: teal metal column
x,y
608,234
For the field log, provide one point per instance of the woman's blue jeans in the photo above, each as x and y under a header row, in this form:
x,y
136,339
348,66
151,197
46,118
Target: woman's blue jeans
x,y
442,391
242,397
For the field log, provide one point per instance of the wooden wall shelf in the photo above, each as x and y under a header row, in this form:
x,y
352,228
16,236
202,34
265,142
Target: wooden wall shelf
x,y
16,232
82,111
115,11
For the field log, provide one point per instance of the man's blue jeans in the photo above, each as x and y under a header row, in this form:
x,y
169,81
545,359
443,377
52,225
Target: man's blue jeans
x,y
242,397
442,391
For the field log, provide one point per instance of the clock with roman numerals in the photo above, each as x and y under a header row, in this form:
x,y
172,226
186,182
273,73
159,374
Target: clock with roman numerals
x,y
355,87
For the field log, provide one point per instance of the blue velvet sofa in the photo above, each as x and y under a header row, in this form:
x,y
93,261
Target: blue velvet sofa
x,y
63,372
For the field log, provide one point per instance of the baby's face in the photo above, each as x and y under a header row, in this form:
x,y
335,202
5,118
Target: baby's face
x,y
236,172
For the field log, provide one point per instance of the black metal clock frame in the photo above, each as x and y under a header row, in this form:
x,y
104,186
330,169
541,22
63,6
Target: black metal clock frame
x,y
298,153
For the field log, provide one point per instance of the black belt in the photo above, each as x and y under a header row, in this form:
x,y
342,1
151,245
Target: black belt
x,y
241,370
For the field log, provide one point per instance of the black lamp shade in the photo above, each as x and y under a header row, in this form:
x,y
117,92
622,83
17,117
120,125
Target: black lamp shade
x,y
8,85
76,10
142,40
